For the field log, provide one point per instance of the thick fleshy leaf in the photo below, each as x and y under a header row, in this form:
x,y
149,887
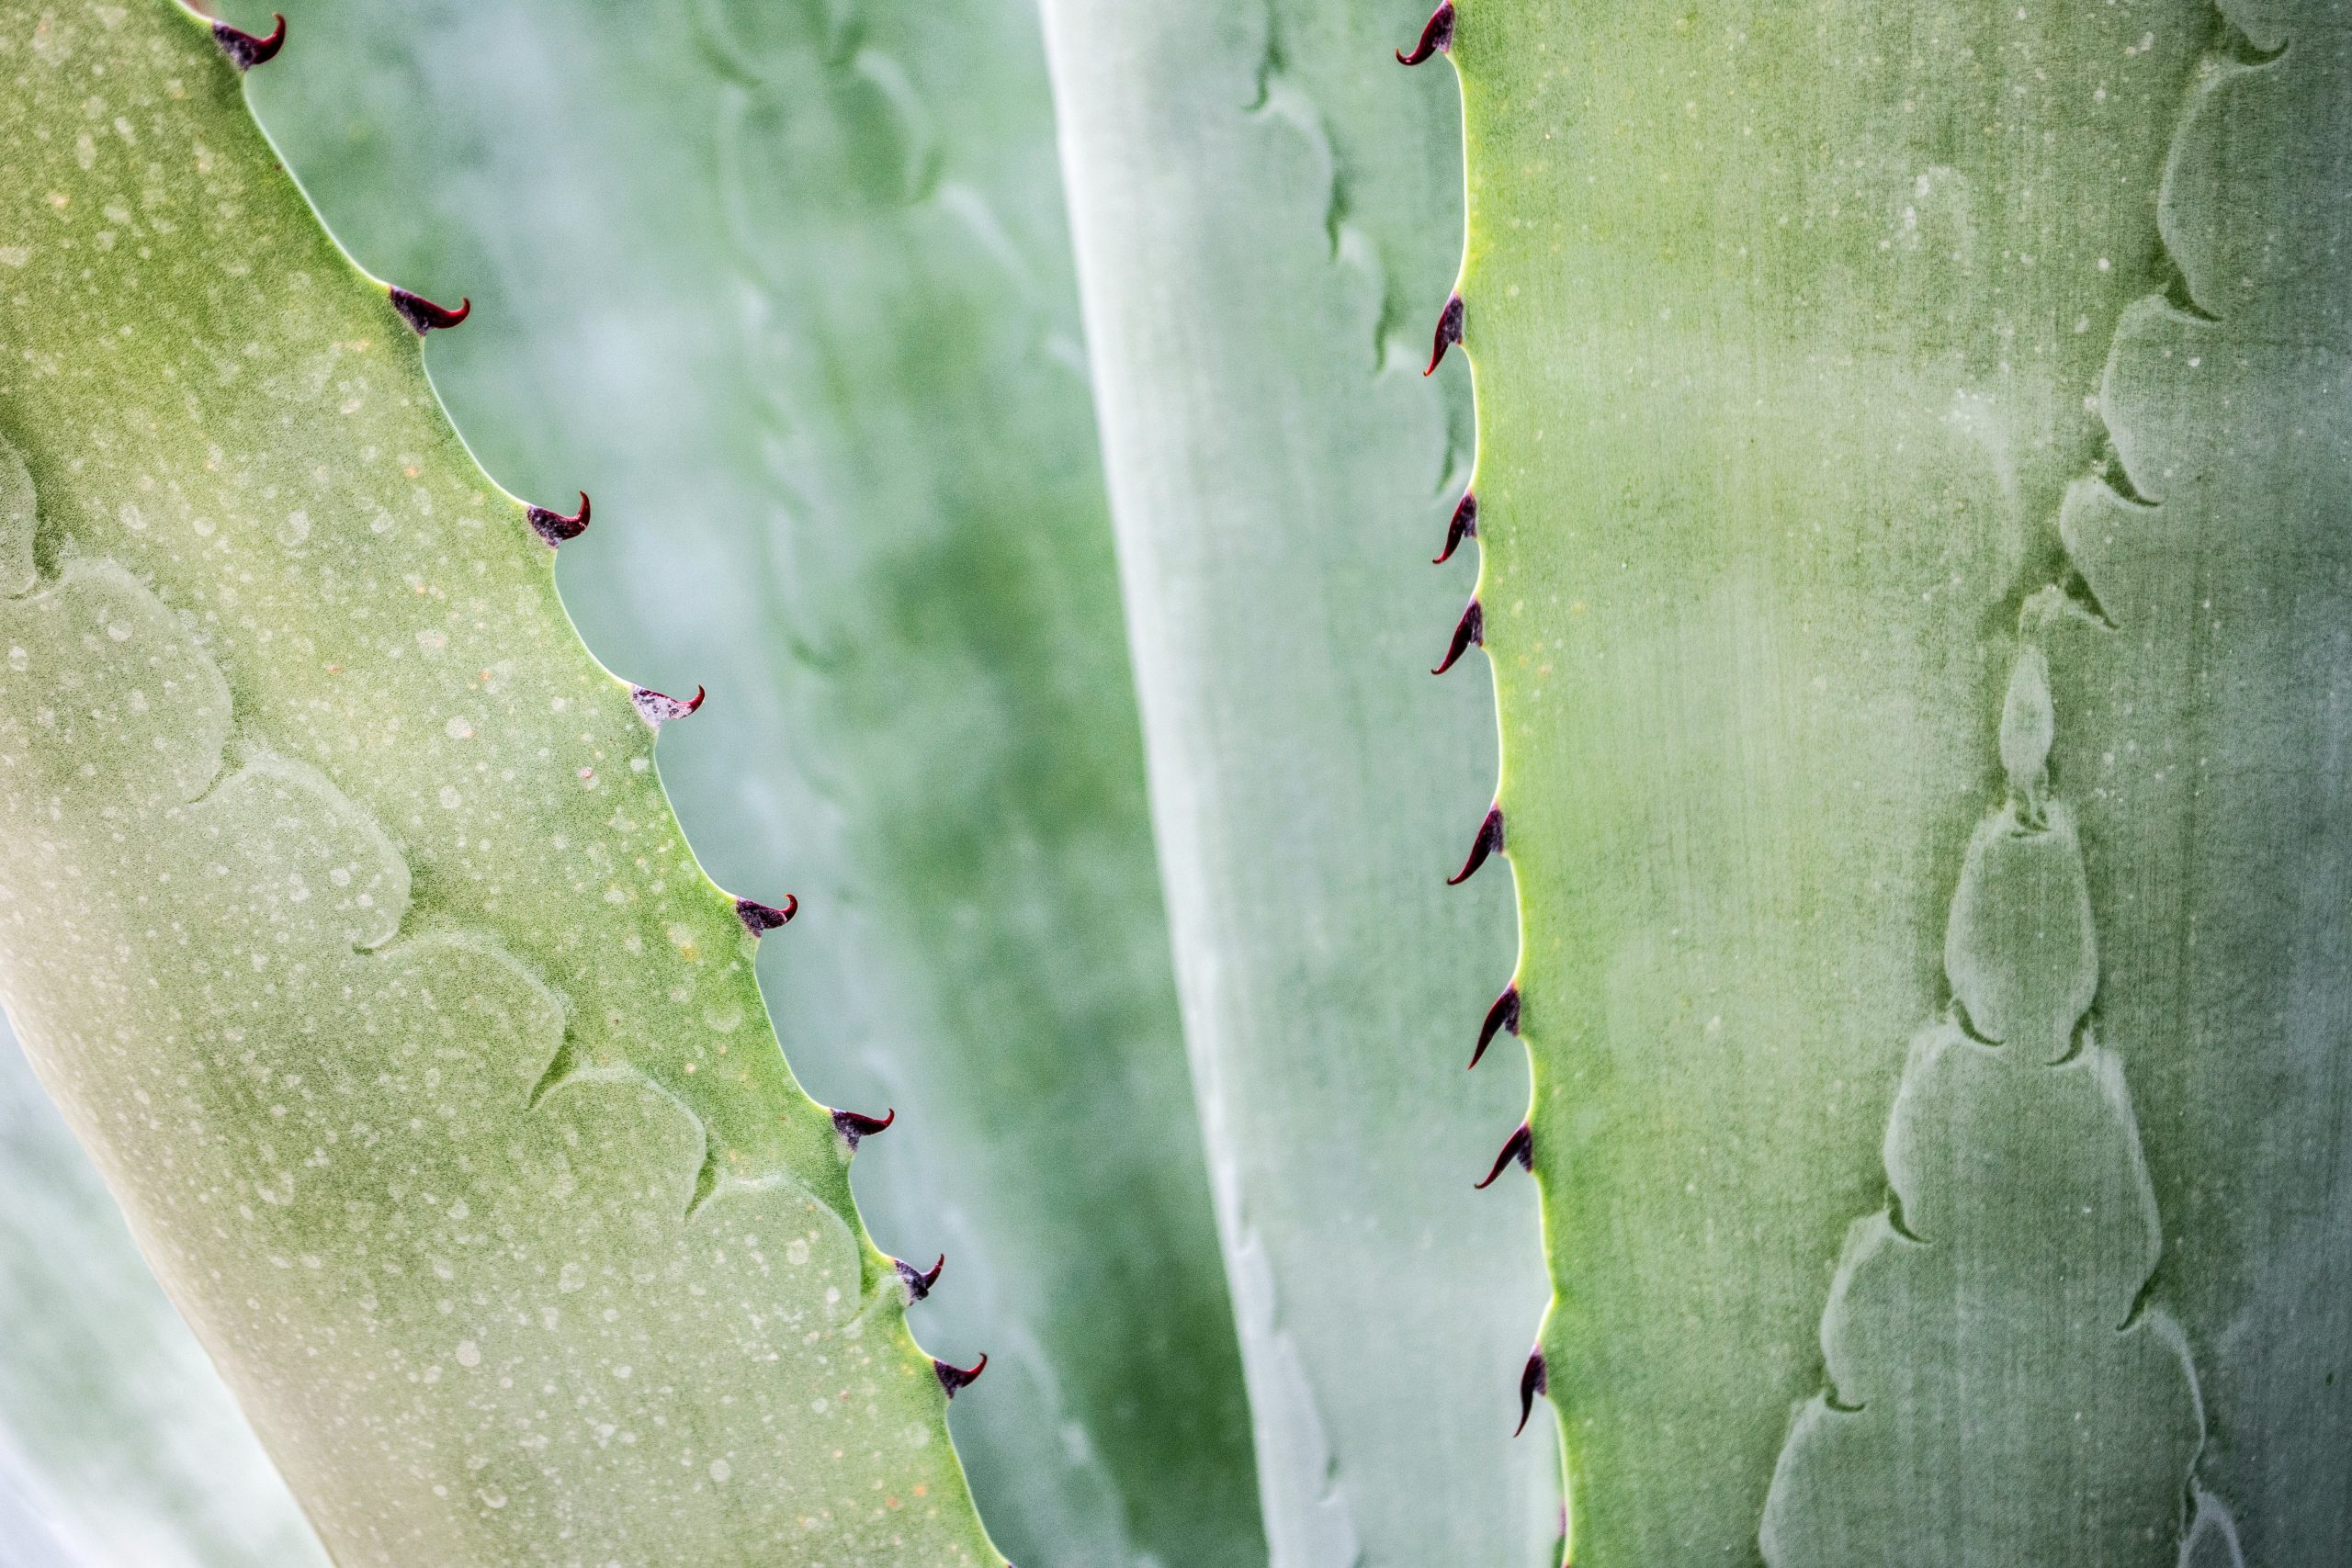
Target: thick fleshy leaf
x,y
1912,467
785,287
117,1442
342,911
1265,210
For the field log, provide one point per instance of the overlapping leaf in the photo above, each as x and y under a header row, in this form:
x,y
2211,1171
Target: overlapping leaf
x,y
1266,212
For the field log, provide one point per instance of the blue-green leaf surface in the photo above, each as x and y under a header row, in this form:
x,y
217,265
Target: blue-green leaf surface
x,y
1267,214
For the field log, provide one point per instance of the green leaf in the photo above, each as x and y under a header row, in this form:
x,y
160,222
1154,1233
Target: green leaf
x,y
1265,213
786,289
345,918
117,1442
1841,369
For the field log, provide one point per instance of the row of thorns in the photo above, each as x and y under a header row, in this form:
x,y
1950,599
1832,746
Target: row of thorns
x,y
1470,631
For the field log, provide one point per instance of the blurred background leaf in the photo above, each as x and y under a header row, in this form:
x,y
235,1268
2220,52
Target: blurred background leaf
x,y
119,1443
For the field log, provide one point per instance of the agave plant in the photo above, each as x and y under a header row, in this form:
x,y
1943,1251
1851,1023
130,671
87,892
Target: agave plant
x,y
1898,509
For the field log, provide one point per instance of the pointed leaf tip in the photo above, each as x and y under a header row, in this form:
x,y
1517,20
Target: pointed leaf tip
x,y
1470,630
554,526
424,315
1449,332
1489,840
1503,1015
760,919
658,708
1437,37
244,50
855,1125
1532,1381
1465,525
955,1378
919,1283
1520,1146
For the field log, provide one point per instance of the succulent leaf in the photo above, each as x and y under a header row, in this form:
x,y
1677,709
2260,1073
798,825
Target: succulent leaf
x,y
117,1442
346,919
1851,380
1264,218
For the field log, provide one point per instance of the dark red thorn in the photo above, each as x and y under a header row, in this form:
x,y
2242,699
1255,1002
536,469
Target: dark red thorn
x,y
555,527
1489,840
1471,628
856,1125
1503,1015
244,50
658,708
955,1378
1464,526
1532,1381
425,315
1449,332
760,919
918,1284
1437,37
1520,1146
